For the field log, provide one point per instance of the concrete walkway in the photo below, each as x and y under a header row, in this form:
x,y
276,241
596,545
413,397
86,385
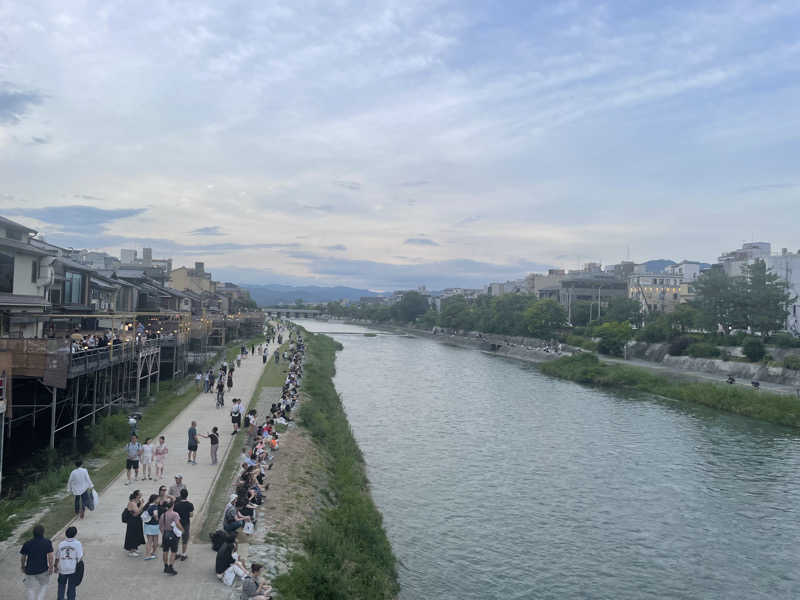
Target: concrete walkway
x,y
110,572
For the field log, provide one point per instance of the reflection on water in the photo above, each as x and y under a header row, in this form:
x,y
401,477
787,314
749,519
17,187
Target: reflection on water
x,y
497,482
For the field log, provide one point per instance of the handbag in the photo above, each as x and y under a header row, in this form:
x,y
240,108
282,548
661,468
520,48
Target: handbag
x,y
175,531
125,515
79,569
248,528
95,498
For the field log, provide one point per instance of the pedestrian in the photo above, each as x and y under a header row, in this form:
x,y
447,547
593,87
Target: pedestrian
x,y
150,526
205,382
239,360
213,444
252,349
37,564
224,368
221,392
211,379
236,415
134,534
160,452
192,444
197,379
80,485
264,357
68,555
230,380
134,451
185,510
252,587
147,459
169,524
175,489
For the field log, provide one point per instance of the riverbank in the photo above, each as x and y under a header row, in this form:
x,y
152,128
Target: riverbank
x,y
346,553
586,368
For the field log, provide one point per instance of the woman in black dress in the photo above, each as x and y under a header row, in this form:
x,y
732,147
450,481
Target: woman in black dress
x,y
134,532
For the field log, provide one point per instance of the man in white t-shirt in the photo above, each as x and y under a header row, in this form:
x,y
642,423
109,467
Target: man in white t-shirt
x,y
69,554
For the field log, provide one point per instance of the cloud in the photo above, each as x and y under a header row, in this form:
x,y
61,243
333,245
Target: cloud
x,y
766,187
336,247
420,242
348,185
77,217
413,183
14,103
40,139
214,230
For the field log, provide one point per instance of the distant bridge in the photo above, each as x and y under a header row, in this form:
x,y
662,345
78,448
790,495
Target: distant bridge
x,y
295,312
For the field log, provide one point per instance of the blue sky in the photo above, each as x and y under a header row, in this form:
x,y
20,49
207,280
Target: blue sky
x,y
386,144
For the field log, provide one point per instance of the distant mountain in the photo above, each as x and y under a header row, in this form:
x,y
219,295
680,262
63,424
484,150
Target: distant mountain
x,y
275,294
657,266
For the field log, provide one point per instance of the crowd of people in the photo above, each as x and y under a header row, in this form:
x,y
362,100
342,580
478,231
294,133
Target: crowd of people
x,y
251,487
161,521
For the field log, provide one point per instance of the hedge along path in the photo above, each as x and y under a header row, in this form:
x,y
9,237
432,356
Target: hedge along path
x,y
110,572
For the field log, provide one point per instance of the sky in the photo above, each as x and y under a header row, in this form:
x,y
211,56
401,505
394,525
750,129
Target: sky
x,y
388,144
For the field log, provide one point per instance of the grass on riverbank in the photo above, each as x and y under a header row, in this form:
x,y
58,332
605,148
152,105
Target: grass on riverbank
x,y
347,554
108,437
588,369
272,377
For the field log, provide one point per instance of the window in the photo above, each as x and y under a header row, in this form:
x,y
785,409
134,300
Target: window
x,y
73,288
34,270
6,273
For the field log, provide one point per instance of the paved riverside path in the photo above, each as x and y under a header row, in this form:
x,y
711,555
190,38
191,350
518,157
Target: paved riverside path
x,y
110,572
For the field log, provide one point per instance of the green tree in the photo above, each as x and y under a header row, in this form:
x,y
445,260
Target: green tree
x,y
430,318
544,317
456,314
766,298
754,349
410,306
299,303
716,299
684,318
623,309
507,314
613,337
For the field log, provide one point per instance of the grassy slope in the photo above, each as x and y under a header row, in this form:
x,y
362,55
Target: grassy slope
x,y
347,554
108,437
586,368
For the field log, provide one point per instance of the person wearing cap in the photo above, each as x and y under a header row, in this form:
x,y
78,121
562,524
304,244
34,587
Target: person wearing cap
x,y
175,489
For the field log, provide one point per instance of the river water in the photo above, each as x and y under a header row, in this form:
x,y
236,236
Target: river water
x,y
498,482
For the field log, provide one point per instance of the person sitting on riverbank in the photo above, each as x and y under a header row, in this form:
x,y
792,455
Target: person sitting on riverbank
x,y
252,586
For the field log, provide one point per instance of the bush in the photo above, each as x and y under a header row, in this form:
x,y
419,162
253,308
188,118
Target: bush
x,y
785,340
792,362
679,345
754,349
702,350
581,342
653,333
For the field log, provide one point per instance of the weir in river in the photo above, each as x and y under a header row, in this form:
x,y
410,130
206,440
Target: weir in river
x,y
498,482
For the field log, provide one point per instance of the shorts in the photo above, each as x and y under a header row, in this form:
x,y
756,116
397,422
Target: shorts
x,y
192,447
186,532
131,464
237,420
146,460
169,543
151,529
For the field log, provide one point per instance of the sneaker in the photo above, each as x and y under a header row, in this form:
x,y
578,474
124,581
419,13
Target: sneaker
x,y
133,553
194,462
151,557
127,483
172,570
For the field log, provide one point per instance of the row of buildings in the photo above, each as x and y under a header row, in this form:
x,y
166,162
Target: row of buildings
x,y
42,285
659,286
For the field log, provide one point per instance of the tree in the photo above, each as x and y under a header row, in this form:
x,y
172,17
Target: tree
x,y
754,349
766,298
507,314
430,318
411,306
544,317
684,318
623,309
456,314
613,337
298,303
716,300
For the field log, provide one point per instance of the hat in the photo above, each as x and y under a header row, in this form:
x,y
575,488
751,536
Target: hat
x,y
178,476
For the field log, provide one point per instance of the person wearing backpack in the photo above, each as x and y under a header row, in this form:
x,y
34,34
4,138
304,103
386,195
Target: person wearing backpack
x,y
171,531
69,554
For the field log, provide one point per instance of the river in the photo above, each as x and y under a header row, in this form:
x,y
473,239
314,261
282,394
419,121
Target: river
x,y
496,481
